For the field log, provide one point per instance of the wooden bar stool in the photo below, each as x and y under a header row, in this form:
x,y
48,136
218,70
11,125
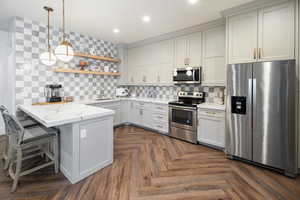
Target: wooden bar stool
x,y
26,143
25,121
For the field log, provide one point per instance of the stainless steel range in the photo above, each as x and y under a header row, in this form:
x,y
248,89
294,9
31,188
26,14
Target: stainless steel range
x,y
183,116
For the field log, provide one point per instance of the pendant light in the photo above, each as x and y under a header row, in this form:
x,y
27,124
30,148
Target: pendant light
x,y
48,58
64,51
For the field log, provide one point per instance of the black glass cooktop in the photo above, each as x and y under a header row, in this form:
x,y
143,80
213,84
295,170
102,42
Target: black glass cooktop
x,y
185,104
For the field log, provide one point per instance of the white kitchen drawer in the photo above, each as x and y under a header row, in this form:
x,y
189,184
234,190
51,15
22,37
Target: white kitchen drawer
x,y
161,127
160,108
108,104
211,113
161,117
142,105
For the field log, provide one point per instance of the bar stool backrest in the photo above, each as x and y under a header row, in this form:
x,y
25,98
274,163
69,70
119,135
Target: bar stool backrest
x,y
2,109
13,127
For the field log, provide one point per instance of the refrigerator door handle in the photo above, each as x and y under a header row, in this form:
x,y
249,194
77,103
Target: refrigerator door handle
x,y
253,104
250,98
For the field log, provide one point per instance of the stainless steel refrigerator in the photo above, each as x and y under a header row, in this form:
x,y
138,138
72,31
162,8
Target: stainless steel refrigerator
x,y
261,114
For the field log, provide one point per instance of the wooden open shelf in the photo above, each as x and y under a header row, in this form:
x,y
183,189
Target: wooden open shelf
x,y
97,57
64,70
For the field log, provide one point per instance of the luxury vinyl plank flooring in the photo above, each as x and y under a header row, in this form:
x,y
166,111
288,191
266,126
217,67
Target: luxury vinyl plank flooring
x,y
149,166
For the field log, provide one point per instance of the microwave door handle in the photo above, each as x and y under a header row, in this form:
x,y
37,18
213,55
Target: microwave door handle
x,y
194,75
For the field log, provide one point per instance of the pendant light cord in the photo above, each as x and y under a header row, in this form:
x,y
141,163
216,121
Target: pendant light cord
x,y
64,34
48,9
48,29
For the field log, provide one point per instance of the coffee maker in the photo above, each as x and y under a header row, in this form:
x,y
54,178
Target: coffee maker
x,y
53,92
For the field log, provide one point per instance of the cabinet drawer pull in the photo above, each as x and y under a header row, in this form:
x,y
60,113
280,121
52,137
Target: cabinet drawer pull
x,y
259,53
159,126
211,113
255,54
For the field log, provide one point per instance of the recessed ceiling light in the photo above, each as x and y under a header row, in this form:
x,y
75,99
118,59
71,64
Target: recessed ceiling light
x,y
116,30
146,18
193,1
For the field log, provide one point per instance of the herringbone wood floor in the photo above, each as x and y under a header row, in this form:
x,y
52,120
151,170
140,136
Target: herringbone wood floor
x,y
148,166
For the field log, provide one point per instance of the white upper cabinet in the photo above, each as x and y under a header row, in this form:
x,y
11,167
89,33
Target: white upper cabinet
x,y
166,49
188,48
181,46
263,35
151,64
242,38
195,49
165,70
276,33
213,68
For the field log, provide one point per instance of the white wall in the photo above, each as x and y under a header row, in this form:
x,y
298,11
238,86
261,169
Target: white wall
x,y
4,50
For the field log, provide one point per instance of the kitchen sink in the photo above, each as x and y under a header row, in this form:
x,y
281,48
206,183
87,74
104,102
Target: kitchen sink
x,y
103,99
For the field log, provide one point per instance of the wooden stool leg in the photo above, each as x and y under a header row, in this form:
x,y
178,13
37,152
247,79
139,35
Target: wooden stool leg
x,y
47,148
56,154
8,157
18,169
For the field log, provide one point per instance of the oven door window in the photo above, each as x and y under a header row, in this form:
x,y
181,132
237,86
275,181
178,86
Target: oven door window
x,y
183,117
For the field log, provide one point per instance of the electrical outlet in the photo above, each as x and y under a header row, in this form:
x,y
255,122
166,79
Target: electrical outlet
x,y
83,133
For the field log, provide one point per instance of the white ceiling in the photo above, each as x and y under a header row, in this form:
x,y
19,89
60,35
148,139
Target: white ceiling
x,y
98,18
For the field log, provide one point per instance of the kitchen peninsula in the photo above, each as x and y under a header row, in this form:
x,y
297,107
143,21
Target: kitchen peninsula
x,y
86,136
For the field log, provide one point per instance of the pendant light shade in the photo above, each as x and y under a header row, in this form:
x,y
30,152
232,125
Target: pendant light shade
x,y
48,58
64,51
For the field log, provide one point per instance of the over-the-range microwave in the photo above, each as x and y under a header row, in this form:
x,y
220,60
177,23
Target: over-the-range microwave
x,y
189,75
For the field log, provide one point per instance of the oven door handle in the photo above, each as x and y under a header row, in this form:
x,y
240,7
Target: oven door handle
x,y
183,108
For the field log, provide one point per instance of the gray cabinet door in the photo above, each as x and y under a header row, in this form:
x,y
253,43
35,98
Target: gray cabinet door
x,y
95,145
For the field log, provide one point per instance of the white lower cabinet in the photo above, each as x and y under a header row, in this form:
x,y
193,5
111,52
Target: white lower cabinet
x,y
211,127
149,115
160,118
115,106
133,114
124,111
142,114
155,116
